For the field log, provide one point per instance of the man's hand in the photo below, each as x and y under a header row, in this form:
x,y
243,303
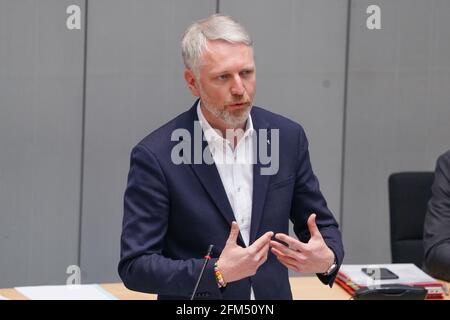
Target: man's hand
x,y
236,262
314,256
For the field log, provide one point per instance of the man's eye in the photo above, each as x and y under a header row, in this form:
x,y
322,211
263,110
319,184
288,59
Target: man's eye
x,y
246,72
223,77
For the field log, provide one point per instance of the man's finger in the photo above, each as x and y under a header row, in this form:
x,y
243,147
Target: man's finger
x,y
281,247
262,241
277,252
234,233
312,226
282,250
289,260
288,265
263,254
293,243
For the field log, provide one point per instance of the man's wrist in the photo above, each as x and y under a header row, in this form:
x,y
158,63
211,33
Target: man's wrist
x,y
332,268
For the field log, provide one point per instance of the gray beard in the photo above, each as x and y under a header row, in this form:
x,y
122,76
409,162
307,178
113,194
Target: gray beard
x,y
228,118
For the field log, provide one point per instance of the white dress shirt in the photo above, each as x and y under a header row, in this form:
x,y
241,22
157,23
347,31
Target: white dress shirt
x,y
235,168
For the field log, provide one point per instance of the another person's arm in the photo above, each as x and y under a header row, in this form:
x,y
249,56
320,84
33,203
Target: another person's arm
x,y
437,223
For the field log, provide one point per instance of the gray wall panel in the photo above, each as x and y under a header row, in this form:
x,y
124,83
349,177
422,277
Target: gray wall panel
x,y
300,61
41,78
397,114
134,85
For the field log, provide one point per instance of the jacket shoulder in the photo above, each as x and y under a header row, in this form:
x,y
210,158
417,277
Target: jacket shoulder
x,y
276,120
444,159
160,139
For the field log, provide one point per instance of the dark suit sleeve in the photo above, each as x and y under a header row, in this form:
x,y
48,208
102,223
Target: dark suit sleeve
x,y
437,222
143,266
307,200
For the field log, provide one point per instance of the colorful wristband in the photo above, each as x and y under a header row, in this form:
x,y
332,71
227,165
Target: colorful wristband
x,y
219,278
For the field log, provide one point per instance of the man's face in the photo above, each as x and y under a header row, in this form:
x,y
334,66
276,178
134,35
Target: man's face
x,y
226,84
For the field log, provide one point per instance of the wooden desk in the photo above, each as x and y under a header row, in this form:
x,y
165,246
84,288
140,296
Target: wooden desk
x,y
303,288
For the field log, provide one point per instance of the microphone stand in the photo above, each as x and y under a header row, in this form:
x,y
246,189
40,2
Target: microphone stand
x,y
207,258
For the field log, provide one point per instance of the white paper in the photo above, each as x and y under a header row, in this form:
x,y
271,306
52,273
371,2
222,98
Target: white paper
x,y
408,273
69,292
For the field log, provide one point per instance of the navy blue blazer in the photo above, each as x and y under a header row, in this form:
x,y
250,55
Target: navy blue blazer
x,y
172,213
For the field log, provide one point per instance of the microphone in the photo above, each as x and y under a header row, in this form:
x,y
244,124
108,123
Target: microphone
x,y
207,258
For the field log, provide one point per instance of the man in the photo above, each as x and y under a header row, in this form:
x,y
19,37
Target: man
x,y
175,207
436,235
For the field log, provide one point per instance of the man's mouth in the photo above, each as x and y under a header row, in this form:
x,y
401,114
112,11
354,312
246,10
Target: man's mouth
x,y
238,105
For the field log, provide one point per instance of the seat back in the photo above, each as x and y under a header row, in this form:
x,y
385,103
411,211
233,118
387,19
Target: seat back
x,y
409,193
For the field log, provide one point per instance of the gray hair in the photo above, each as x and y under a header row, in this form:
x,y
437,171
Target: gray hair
x,y
215,27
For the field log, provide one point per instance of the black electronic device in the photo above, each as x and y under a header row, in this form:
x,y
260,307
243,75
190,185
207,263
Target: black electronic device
x,y
390,292
380,273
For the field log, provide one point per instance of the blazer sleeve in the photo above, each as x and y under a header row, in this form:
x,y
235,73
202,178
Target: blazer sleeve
x,y
308,199
143,266
437,222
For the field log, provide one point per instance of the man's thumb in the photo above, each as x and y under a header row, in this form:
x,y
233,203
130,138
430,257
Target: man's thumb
x,y
312,226
234,232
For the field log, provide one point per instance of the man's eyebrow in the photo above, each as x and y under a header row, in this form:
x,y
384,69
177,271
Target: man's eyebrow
x,y
226,71
218,72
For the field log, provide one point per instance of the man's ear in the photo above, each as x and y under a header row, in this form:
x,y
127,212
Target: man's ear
x,y
191,82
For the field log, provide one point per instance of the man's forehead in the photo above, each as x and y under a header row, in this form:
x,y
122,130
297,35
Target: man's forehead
x,y
220,54
221,46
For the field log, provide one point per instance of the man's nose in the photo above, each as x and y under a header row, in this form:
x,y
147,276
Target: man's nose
x,y
237,87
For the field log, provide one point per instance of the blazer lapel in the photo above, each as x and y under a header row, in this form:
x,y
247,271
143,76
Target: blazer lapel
x,y
208,174
209,177
260,182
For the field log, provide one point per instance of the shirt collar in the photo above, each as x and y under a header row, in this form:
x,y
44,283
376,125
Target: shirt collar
x,y
212,135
